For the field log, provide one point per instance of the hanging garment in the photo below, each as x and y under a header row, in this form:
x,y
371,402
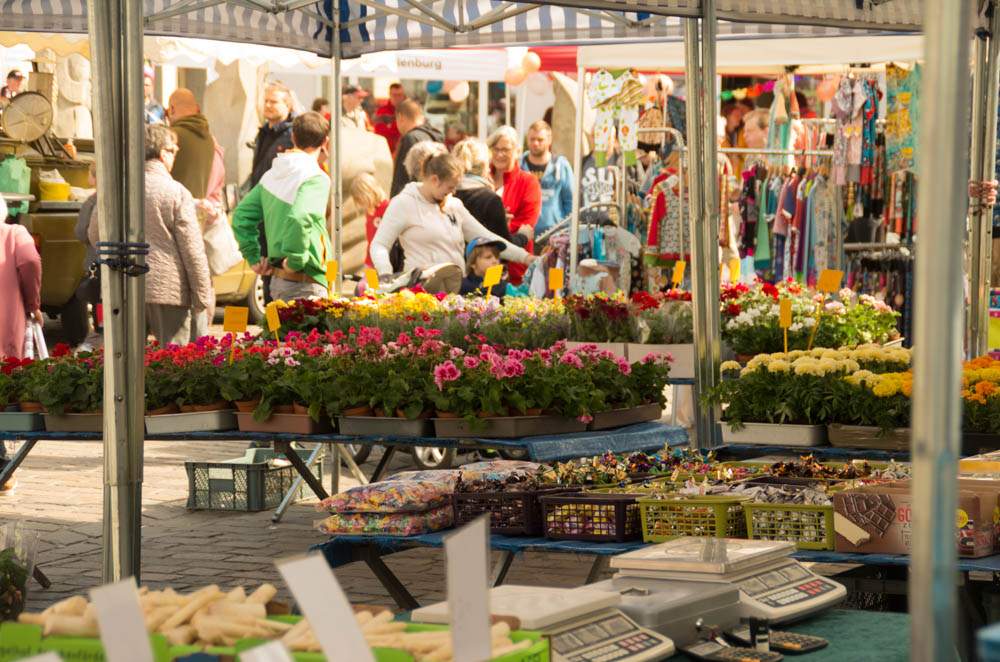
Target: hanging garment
x,y
848,104
902,116
616,99
869,131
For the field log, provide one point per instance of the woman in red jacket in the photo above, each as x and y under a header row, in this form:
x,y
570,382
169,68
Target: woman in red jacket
x,y
521,192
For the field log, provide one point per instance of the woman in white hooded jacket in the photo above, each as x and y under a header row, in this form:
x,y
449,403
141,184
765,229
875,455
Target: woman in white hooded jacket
x,y
432,226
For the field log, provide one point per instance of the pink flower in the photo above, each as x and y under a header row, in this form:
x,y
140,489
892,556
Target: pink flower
x,y
219,360
455,352
623,366
471,362
404,338
571,359
369,335
512,368
586,418
445,372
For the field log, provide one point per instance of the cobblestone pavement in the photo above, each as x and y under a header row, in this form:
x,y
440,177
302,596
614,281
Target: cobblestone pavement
x,y
59,495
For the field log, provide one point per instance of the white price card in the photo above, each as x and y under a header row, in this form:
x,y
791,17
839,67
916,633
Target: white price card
x,y
120,619
324,603
44,657
274,651
468,553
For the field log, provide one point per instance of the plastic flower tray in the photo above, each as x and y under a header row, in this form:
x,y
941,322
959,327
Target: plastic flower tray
x,y
384,425
18,421
202,421
703,517
74,422
621,417
284,423
863,436
511,513
594,517
507,427
808,526
775,434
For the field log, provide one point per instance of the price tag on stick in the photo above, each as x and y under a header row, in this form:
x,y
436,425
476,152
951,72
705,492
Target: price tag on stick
x,y
785,318
331,277
122,626
678,275
371,278
234,321
556,277
829,280
492,277
273,320
734,270
467,552
323,602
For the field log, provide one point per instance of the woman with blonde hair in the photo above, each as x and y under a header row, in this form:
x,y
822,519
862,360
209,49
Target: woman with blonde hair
x,y
372,200
475,190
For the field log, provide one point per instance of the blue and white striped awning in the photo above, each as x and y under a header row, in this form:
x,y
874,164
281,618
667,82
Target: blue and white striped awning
x,y
375,25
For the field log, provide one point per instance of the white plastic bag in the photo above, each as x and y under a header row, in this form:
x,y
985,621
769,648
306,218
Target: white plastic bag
x,y
34,341
221,248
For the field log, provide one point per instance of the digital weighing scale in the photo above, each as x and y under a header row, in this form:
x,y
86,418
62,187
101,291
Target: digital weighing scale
x,y
771,584
583,625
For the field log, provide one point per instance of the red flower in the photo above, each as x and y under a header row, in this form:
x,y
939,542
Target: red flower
x,y
770,290
733,309
61,349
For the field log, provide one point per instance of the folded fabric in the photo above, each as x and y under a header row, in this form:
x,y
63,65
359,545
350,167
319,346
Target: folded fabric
x,y
387,524
390,496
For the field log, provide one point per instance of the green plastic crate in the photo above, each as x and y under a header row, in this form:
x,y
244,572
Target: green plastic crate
x,y
809,527
18,641
703,517
245,484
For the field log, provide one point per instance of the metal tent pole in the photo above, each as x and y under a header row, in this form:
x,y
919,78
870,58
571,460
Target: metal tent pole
x,y
574,222
483,109
116,49
984,143
337,190
938,331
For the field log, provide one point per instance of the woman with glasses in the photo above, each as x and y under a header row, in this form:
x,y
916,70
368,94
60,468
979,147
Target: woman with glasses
x,y
520,191
178,279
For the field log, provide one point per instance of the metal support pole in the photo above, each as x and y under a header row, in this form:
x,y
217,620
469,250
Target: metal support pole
x,y
337,189
574,221
938,333
484,109
986,76
116,50
703,146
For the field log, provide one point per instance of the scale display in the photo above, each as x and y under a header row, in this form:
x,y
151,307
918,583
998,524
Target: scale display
x,y
787,592
608,636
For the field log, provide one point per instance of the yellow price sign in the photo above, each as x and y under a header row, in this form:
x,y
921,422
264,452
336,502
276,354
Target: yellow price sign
x,y
235,318
273,320
734,270
678,276
331,274
829,280
492,276
785,313
371,278
556,276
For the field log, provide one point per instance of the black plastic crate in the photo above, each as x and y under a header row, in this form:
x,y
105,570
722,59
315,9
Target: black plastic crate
x,y
511,513
245,484
594,517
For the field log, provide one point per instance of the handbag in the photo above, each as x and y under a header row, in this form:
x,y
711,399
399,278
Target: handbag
x,y
34,341
221,248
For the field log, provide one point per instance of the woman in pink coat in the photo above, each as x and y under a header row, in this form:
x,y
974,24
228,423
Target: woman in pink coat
x,y
20,283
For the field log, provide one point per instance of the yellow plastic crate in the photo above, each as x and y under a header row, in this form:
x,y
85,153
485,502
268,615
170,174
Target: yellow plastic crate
x,y
703,517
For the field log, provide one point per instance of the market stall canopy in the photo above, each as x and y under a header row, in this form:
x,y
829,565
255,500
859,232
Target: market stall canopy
x,y
753,56
431,64
379,25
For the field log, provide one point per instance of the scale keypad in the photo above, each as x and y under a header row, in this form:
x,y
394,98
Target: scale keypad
x,y
618,650
798,593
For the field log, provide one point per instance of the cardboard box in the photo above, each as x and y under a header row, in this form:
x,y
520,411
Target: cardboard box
x,y
877,519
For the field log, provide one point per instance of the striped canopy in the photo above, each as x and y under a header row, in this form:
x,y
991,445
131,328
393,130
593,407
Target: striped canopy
x,y
375,25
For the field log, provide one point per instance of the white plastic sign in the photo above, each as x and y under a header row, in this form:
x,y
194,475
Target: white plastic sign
x,y
274,651
323,602
467,551
123,628
44,657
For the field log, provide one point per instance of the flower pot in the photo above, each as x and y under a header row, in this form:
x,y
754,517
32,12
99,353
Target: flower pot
x,y
682,366
744,358
218,405
384,426
164,410
531,411
775,434
616,348
445,414
32,407
16,421
379,413
617,418
507,427
284,423
202,421
489,414
866,436
300,409
246,406
74,422
283,409
364,410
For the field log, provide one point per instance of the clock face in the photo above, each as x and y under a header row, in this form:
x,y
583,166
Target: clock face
x,y
28,117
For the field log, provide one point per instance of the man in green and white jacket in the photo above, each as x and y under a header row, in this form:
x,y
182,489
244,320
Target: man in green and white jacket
x,y
291,200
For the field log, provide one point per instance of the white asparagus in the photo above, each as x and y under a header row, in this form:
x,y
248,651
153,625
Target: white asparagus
x,y
69,626
297,631
158,617
363,617
264,594
181,636
384,628
32,618
73,606
238,594
510,648
274,626
237,611
183,615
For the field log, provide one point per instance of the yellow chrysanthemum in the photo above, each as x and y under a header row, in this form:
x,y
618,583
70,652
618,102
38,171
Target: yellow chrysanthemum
x,y
730,365
779,365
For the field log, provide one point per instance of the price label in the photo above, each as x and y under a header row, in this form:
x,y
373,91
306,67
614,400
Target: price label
x,y
235,318
829,280
331,272
785,313
734,270
272,652
371,278
678,276
120,620
492,276
556,276
273,320
467,552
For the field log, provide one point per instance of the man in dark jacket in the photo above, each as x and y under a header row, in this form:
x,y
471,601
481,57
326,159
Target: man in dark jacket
x,y
414,128
196,146
275,135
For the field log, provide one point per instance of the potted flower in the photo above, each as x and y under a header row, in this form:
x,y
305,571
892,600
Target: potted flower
x,y
241,381
73,393
873,411
12,374
602,319
664,324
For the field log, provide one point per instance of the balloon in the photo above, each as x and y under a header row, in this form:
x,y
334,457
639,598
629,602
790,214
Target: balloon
x,y
726,95
531,62
434,87
460,92
538,84
449,85
514,76
827,89
740,93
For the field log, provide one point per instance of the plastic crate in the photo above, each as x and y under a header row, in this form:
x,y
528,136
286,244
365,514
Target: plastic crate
x,y
511,513
809,527
594,517
246,484
703,517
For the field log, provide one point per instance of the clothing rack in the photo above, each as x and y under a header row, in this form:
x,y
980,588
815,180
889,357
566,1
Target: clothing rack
x,y
877,246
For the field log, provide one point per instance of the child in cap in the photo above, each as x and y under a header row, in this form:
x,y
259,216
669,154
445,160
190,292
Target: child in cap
x,y
480,255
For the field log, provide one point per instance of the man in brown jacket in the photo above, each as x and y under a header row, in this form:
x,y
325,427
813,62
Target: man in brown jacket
x,y
194,139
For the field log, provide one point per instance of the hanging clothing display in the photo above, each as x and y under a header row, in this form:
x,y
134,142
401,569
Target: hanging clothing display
x,y
616,98
902,119
886,275
848,106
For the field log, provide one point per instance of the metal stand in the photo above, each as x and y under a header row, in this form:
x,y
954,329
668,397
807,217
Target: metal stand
x,y
373,559
500,572
314,483
290,494
600,565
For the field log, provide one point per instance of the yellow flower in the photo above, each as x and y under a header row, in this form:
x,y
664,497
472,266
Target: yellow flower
x,y
832,354
728,366
886,388
779,365
818,352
